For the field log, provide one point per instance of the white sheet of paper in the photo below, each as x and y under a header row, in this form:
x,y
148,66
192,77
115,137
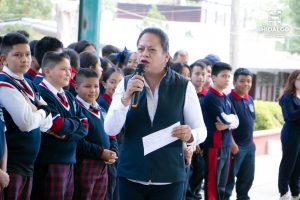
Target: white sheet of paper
x,y
159,139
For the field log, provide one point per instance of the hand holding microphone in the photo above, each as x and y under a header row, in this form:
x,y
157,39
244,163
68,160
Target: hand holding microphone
x,y
134,87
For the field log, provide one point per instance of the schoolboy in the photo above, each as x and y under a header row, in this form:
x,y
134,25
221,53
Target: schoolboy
x,y
198,78
93,151
43,46
243,148
219,119
53,178
25,114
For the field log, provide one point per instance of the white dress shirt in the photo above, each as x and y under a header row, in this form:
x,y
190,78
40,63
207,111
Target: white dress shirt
x,y
20,110
192,113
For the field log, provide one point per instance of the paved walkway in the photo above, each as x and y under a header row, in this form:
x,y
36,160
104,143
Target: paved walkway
x,y
266,176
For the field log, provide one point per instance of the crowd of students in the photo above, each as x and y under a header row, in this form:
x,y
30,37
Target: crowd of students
x,y
67,130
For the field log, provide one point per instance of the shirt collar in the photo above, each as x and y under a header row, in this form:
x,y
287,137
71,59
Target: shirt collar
x,y
238,97
203,91
10,73
86,104
217,92
51,87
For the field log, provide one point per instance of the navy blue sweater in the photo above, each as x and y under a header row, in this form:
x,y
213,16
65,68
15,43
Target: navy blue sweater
x,y
70,123
290,106
216,103
93,144
22,146
244,107
167,163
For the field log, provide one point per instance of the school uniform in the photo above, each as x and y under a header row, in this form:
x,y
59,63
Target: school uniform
x,y
91,171
23,131
30,74
104,102
217,146
2,143
243,163
197,169
53,178
38,78
160,174
290,139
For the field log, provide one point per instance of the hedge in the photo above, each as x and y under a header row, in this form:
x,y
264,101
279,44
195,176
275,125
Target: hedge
x,y
268,115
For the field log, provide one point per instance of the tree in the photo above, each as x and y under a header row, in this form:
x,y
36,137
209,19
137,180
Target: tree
x,y
12,9
292,16
154,19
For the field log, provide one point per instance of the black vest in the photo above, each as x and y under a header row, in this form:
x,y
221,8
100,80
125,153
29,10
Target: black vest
x,y
165,164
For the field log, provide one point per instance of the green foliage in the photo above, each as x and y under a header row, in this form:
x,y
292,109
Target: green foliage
x,y
268,115
12,9
32,33
292,16
154,19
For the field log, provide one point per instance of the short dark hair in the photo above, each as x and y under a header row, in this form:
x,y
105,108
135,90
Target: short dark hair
x,y
85,73
74,58
241,71
164,39
108,49
82,44
88,59
200,64
23,32
52,58
178,67
44,45
32,44
11,39
105,62
72,45
109,72
218,67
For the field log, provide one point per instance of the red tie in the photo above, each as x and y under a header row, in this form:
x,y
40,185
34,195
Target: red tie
x,y
93,109
62,98
25,87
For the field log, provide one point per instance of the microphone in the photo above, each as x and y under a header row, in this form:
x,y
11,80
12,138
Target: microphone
x,y
135,97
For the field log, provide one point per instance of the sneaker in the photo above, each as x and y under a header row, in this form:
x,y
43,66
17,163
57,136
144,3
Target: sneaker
x,y
286,196
295,198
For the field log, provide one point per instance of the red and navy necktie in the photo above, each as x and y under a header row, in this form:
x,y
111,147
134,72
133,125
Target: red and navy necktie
x,y
62,98
94,109
25,87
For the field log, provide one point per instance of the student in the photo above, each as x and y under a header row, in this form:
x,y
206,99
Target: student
x,y
25,114
92,61
43,46
53,177
34,67
182,69
243,148
131,60
219,119
111,78
109,49
165,99
85,46
93,151
289,172
4,177
198,78
75,66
